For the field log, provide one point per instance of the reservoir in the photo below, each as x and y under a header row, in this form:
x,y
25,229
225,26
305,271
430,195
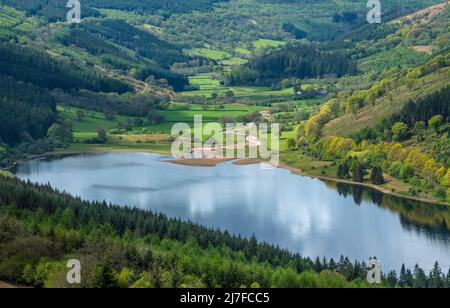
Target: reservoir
x,y
305,215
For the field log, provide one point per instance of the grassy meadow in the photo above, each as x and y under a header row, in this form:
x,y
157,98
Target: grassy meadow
x,y
208,85
262,44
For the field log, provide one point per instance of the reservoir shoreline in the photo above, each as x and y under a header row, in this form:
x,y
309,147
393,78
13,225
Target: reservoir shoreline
x,y
282,205
206,162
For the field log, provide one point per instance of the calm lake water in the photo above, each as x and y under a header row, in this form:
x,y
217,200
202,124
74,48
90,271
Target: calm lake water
x,y
302,214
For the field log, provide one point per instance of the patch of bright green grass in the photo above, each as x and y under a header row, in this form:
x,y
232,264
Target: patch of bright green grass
x,y
163,148
83,136
234,62
308,164
241,92
207,115
6,174
89,123
208,85
118,14
243,51
87,127
210,53
265,43
205,82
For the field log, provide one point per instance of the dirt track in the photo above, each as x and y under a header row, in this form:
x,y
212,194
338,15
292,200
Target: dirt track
x,y
4,285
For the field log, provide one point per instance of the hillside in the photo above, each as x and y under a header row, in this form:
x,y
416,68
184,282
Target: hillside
x,y
244,21
413,64
360,106
291,62
26,111
393,129
423,16
55,10
389,104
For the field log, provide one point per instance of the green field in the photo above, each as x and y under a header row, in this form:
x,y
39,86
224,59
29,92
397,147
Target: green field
x,y
204,82
208,115
91,121
224,58
209,53
233,62
87,127
163,148
6,174
243,51
208,85
118,14
265,43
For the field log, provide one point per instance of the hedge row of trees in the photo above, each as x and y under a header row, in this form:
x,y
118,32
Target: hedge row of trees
x,y
135,105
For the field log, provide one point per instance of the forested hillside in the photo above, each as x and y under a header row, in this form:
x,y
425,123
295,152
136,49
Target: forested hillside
x,y
386,97
400,125
244,21
292,62
133,248
25,110
149,249
35,66
144,43
55,10
357,104
139,50
150,6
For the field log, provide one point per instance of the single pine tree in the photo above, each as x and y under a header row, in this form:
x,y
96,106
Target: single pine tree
x,y
105,277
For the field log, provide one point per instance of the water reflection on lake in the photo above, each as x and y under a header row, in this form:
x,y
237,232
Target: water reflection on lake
x,y
305,215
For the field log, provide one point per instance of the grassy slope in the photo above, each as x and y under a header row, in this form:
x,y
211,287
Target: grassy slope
x,y
209,53
14,22
415,29
392,59
369,115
